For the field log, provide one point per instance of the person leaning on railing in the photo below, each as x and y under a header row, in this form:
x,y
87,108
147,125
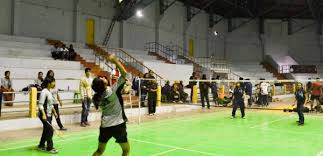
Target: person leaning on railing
x,y
6,86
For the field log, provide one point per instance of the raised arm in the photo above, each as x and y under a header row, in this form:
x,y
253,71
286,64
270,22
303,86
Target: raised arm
x,y
112,58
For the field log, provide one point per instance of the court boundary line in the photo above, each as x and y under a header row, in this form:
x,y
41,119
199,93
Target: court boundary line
x,y
161,122
165,122
62,140
168,151
175,147
271,122
137,127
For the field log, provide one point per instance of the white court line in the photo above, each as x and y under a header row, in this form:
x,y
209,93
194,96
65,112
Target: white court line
x,y
175,147
162,123
267,123
168,151
132,127
320,154
25,146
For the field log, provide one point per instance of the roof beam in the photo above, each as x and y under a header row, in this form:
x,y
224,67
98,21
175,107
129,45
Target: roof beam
x,y
165,4
192,12
239,6
257,16
314,6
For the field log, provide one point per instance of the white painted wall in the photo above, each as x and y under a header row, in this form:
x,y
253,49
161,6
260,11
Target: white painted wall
x,y
54,19
172,25
40,21
5,16
170,71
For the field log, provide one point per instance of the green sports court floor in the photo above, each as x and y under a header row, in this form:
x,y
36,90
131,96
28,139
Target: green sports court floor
x,y
262,133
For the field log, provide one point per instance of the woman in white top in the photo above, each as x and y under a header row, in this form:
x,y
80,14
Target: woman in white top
x,y
46,109
57,100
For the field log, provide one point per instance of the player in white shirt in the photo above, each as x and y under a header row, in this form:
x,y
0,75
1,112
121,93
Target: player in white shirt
x,y
264,92
46,109
86,96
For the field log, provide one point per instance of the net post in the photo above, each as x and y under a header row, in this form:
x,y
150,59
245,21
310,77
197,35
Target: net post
x,y
158,95
222,90
139,101
194,97
294,88
285,89
32,102
274,90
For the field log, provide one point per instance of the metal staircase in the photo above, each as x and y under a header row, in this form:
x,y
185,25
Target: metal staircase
x,y
178,55
108,34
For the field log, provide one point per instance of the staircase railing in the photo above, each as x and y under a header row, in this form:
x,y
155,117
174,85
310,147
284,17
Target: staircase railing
x,y
127,59
103,63
175,52
216,65
233,76
181,51
161,50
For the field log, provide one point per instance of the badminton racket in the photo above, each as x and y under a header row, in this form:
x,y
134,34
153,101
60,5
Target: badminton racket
x,y
57,132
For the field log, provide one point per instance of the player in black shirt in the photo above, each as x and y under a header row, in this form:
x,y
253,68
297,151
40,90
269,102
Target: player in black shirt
x,y
238,100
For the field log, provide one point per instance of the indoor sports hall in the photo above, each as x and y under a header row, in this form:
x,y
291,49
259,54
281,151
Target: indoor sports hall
x,y
161,78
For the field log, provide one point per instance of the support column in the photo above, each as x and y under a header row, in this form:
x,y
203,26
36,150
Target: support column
x,y
185,28
158,18
262,41
320,38
12,20
225,47
74,25
121,34
208,29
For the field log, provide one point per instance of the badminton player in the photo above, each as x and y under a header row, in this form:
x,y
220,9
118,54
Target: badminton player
x,y
113,121
238,100
300,96
46,109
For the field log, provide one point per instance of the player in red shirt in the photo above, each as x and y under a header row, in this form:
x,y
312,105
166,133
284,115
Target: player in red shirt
x,y
316,91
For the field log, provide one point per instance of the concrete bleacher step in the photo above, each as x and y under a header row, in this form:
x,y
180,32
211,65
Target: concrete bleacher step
x,y
95,69
26,57
18,73
22,39
14,44
36,63
19,84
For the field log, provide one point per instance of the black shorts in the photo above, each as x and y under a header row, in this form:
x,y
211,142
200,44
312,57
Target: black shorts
x,y
315,97
118,132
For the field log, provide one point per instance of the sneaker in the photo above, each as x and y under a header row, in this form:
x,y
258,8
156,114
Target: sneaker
x,y
52,151
63,129
87,124
41,148
300,124
83,124
233,117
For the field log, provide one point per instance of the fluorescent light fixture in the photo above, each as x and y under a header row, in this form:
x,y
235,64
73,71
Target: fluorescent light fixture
x,y
215,33
139,13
